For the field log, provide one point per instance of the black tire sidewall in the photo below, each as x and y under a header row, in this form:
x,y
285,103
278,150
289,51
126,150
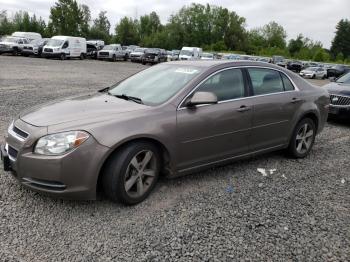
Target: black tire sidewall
x,y
114,174
292,145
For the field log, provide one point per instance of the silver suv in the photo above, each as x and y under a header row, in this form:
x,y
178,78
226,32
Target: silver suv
x,y
112,52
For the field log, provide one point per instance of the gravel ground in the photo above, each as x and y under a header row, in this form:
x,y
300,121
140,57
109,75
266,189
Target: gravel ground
x,y
233,213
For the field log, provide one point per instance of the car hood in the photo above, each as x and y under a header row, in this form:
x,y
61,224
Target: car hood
x,y
338,88
94,108
8,43
307,72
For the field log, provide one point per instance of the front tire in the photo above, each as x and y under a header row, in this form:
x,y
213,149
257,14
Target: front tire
x,y
303,138
63,56
131,173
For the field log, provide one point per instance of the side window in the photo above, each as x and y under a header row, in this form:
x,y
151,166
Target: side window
x,y
265,81
65,45
226,85
288,86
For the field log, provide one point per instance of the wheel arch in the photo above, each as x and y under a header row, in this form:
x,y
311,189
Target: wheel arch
x,y
164,151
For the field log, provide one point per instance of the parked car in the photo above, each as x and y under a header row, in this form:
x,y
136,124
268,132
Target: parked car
x,y
112,52
339,91
92,47
63,47
137,54
12,45
295,66
35,47
171,119
129,49
314,72
279,60
154,56
337,71
175,55
29,35
207,56
190,53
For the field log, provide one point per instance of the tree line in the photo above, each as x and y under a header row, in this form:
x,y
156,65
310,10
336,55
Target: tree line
x,y
214,28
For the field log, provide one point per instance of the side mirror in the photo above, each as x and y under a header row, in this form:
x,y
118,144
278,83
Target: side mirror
x,y
202,98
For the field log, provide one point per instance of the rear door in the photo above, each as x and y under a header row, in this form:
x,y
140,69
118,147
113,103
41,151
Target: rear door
x,y
275,101
210,133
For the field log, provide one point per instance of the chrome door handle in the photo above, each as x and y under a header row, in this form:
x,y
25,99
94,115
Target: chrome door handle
x,y
244,108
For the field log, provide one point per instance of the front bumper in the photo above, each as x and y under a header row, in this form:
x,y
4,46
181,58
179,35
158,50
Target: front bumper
x,y
73,175
29,52
51,55
340,111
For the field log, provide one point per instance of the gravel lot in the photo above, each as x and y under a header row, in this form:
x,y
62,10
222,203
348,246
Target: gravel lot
x,y
232,213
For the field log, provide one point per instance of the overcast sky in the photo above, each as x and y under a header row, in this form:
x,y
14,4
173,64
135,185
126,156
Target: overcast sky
x,y
315,19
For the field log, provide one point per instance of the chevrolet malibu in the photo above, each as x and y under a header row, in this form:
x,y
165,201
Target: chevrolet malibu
x,y
172,119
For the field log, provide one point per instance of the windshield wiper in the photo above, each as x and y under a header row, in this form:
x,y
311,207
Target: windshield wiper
x,y
126,97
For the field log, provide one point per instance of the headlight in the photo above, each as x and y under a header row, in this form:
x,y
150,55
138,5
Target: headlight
x,y
56,49
10,127
60,143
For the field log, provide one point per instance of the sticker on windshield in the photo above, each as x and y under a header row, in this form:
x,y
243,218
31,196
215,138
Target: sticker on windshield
x,y
185,70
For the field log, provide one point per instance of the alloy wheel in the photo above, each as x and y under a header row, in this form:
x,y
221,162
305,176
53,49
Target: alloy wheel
x,y
140,173
304,138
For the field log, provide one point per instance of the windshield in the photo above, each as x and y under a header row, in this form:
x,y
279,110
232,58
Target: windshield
x,y
156,84
345,79
139,50
207,55
36,41
9,39
186,52
153,51
55,42
108,47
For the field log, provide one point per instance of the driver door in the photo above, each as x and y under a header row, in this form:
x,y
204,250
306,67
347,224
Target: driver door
x,y
210,133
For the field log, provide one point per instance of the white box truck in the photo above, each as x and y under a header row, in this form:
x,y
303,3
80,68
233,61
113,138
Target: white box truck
x,y
65,47
190,53
29,35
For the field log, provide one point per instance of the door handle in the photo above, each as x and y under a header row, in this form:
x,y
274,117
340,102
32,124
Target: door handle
x,y
296,100
243,108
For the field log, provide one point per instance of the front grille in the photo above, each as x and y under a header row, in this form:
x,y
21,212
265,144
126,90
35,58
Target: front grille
x,y
28,48
12,152
103,53
48,50
20,132
340,100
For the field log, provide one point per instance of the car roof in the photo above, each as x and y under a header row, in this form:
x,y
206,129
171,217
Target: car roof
x,y
228,63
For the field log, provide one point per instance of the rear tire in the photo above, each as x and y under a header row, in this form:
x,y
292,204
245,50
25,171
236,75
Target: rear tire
x,y
82,57
302,139
131,173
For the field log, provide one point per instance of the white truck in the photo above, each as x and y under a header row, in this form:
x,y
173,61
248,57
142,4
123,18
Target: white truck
x,y
29,35
190,53
65,47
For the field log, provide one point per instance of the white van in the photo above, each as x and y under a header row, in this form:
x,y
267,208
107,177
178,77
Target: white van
x,y
190,53
65,47
29,35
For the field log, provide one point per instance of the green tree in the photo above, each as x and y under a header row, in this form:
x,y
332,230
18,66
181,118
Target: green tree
x,y
341,41
68,18
275,35
100,28
126,31
149,24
